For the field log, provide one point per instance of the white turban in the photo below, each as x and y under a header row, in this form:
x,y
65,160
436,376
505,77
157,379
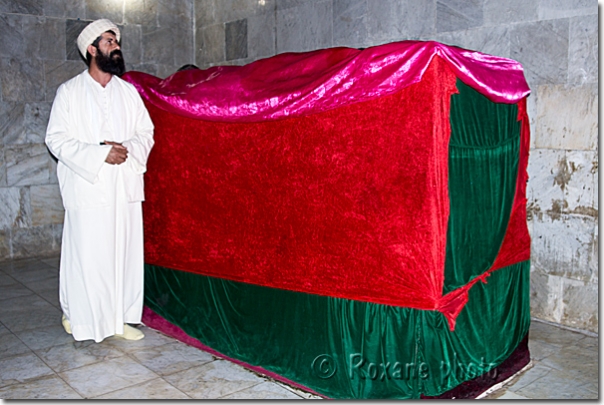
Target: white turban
x,y
94,30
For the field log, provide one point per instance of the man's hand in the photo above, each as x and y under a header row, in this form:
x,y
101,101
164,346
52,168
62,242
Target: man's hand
x,y
118,153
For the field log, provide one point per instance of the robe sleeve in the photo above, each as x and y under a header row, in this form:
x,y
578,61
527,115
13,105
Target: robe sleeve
x,y
83,158
139,146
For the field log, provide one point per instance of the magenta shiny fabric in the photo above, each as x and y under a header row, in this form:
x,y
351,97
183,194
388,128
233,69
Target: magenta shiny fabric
x,y
298,84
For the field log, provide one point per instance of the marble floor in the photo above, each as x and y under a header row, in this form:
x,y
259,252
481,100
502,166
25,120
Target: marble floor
x,y
39,360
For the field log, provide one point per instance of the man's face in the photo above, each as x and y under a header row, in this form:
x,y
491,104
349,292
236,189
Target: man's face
x,y
109,56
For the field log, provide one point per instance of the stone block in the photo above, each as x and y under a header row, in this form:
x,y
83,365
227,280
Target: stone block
x,y
594,258
489,40
24,123
497,12
544,295
304,28
183,45
581,187
285,4
583,50
52,169
562,245
553,9
73,28
580,305
235,39
210,45
3,182
12,124
36,241
567,118
46,205
131,43
397,20
164,71
542,48
205,13
547,173
22,80
15,208
261,35
58,72
157,45
110,9
531,107
31,7
22,35
232,10
142,12
52,39
175,14
65,8
26,164
350,23
5,249
457,15
143,67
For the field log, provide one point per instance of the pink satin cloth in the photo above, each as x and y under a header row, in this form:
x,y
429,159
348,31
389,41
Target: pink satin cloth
x,y
299,84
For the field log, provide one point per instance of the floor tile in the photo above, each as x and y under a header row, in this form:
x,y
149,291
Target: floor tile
x,y
108,376
531,375
10,266
10,345
298,392
54,262
47,283
22,368
44,337
39,315
553,335
51,296
213,380
265,390
152,339
556,385
154,389
15,290
5,279
77,354
540,350
172,358
37,271
511,395
576,361
50,387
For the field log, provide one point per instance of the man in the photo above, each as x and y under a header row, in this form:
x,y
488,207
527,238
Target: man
x,y
101,133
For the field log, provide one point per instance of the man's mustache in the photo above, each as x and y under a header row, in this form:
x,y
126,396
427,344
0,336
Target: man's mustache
x,y
115,52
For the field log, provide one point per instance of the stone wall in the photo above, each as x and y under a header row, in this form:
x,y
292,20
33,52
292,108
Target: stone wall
x,y
37,54
555,40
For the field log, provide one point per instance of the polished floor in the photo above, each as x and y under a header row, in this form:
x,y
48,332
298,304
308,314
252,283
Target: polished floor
x,y
39,360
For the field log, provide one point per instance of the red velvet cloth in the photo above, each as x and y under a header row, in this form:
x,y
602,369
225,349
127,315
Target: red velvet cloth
x,y
349,203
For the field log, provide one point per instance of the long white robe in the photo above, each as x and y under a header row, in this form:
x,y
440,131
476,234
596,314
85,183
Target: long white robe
x,y
101,270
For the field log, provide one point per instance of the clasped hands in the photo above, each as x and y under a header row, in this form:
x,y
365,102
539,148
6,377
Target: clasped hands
x,y
118,153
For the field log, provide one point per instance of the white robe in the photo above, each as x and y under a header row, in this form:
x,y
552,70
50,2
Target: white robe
x,y
101,270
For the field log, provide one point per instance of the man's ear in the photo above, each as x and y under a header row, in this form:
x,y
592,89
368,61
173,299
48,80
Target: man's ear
x,y
91,50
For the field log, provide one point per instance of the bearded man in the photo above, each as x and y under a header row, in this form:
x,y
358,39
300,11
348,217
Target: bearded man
x,y
101,134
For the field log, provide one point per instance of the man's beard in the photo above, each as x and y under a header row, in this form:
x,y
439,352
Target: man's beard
x,y
112,63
